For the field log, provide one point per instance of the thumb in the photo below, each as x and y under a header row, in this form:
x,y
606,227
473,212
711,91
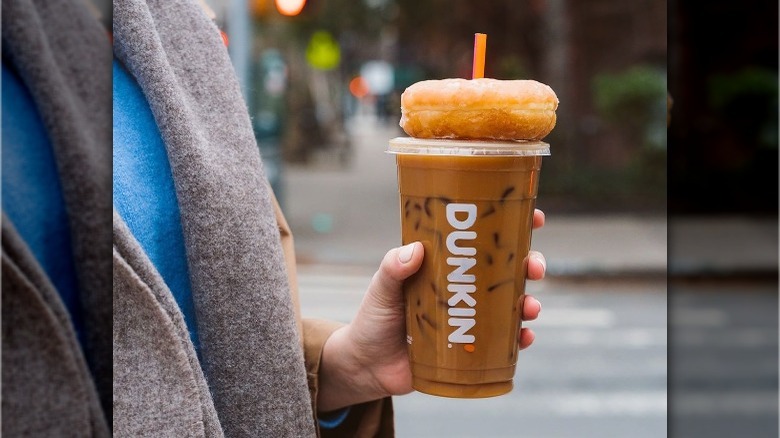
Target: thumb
x,y
397,265
401,263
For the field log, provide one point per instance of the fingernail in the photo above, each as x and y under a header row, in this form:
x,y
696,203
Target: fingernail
x,y
405,254
542,261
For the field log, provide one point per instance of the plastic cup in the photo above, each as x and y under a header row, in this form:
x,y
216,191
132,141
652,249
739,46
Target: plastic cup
x,y
471,204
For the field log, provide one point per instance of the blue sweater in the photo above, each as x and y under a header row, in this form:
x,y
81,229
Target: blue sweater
x,y
31,192
144,193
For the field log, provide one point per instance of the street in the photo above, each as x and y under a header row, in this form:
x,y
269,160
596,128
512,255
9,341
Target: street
x,y
596,369
598,366
723,349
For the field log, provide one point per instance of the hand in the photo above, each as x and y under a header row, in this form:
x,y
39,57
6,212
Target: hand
x,y
367,359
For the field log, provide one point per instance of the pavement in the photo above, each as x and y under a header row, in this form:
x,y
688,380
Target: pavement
x,y
347,217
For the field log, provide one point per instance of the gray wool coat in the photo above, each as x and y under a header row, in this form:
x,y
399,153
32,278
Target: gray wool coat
x,y
49,386
257,375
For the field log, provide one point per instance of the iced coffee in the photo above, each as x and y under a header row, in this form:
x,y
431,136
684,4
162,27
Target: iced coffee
x,y
468,178
473,215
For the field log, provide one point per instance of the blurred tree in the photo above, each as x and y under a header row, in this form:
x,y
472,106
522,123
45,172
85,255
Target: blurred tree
x,y
634,101
315,97
754,88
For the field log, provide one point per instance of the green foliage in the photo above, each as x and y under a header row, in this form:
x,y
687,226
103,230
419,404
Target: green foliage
x,y
635,99
727,88
636,90
748,99
639,186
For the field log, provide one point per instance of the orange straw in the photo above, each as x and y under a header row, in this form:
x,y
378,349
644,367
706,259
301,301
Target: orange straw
x,y
478,67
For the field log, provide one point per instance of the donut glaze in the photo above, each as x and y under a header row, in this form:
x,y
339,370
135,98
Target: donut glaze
x,y
486,108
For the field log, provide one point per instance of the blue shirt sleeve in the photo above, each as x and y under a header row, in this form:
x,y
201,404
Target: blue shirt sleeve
x,y
335,419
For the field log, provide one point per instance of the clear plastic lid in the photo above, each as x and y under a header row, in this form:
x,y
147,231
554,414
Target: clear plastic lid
x,y
436,146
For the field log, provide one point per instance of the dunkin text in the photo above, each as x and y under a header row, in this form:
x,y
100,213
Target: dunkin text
x,y
461,284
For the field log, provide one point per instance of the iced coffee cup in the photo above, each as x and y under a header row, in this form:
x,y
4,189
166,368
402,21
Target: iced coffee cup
x,y
471,204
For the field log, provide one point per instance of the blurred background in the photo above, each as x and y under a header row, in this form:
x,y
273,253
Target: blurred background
x,y
309,76
723,230
323,78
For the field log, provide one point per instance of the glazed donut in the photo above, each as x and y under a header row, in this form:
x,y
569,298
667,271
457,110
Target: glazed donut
x,y
485,108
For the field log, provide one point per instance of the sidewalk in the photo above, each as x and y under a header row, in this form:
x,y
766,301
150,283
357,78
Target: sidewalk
x,y
574,246
739,246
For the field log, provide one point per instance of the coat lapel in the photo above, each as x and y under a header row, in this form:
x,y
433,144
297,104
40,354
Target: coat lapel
x,y
63,55
156,369
246,323
47,387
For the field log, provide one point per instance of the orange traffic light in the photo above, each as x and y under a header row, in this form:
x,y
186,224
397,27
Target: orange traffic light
x,y
290,7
